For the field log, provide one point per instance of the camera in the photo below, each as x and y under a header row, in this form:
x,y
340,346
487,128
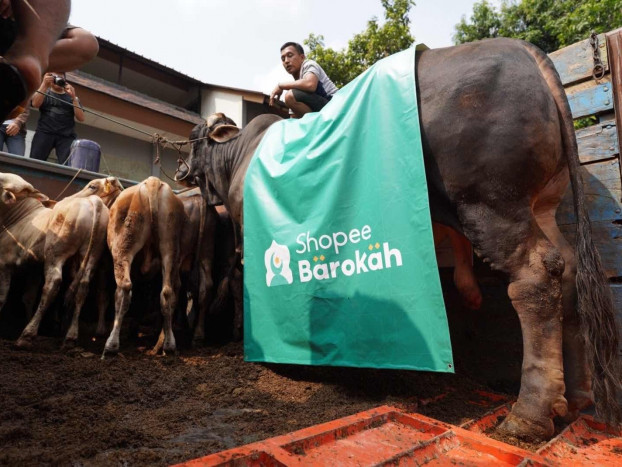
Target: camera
x,y
59,81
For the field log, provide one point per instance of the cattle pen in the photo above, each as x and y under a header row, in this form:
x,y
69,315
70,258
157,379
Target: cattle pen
x,y
68,407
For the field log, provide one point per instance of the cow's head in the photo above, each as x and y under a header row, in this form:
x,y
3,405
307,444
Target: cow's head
x,y
14,188
217,129
108,189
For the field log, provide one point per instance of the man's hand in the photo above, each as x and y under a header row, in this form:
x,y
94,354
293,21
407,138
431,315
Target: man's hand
x,y
48,80
71,91
275,94
12,129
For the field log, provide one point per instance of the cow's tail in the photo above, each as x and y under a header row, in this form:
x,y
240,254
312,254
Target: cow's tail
x,y
153,185
594,297
73,287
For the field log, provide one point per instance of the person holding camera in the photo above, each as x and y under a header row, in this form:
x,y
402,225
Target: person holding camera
x,y
59,108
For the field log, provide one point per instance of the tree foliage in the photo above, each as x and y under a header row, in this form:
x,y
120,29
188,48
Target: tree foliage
x,y
549,24
366,48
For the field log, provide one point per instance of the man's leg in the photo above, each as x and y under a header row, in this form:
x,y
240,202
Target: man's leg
x,y
41,146
3,137
302,102
16,144
63,147
298,108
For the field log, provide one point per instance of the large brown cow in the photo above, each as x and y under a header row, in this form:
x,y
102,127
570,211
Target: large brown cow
x,y
145,222
499,151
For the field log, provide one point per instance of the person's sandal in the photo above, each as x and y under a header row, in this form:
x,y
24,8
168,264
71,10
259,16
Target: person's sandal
x,y
13,91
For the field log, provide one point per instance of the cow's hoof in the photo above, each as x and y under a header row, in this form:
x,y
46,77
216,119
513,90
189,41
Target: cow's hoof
x,y
109,353
527,430
237,335
69,344
154,351
23,343
172,352
577,401
198,342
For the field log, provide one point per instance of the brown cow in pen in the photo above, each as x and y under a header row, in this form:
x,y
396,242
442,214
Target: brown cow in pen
x,y
145,222
71,233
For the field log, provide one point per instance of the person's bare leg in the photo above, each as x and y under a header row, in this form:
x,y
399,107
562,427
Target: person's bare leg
x,y
73,50
39,24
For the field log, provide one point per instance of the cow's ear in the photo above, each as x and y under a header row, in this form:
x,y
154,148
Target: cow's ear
x,y
223,133
7,197
107,187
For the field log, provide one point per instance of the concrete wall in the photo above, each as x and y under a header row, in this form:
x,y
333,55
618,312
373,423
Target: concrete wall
x,y
218,101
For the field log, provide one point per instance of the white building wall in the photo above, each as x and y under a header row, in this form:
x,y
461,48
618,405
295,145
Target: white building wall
x,y
218,101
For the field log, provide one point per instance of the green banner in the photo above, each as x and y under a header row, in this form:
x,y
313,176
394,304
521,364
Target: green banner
x,y
339,261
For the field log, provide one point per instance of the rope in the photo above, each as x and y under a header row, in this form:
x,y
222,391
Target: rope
x,y
67,186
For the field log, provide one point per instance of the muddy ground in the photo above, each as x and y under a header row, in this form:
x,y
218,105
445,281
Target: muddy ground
x,y
64,407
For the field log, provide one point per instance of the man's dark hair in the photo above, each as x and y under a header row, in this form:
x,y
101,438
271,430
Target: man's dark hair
x,y
295,45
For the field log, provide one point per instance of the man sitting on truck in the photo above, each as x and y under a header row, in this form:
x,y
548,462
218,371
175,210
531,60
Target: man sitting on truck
x,y
311,89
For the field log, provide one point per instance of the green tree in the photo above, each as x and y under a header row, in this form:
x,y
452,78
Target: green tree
x,y
549,24
366,48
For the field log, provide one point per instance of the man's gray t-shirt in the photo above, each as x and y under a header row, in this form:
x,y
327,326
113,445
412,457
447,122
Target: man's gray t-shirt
x,y
325,87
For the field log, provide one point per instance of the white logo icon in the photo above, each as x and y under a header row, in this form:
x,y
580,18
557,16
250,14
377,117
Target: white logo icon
x,y
278,271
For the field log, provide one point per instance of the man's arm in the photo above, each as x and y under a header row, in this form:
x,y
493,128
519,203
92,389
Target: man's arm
x,y
17,124
307,83
39,96
77,109
22,118
76,47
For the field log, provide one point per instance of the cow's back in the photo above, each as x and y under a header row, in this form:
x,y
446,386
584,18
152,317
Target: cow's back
x,y
74,223
22,236
142,218
191,244
489,123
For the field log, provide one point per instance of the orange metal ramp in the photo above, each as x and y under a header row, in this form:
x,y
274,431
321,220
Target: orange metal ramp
x,y
389,436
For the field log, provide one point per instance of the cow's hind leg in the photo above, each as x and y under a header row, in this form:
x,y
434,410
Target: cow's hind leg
x,y
53,279
171,282
5,284
79,289
517,246
577,374
122,298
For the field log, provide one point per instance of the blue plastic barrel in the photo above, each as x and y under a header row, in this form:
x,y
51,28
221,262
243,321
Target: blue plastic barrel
x,y
85,154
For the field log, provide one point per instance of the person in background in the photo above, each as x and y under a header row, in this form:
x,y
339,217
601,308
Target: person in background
x,y
13,134
59,108
311,89
34,38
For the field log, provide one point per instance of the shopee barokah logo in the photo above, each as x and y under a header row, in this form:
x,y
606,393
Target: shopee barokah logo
x,y
278,271
322,257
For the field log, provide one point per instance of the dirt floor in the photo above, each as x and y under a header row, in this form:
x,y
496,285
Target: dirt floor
x,y
71,408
